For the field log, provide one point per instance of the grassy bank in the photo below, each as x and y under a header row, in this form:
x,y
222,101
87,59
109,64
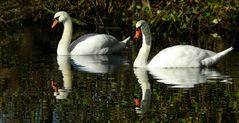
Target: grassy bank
x,y
184,17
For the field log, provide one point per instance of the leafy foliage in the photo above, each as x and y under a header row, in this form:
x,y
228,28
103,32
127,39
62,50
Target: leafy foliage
x,y
171,16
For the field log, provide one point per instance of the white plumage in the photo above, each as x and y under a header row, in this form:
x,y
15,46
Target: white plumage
x,y
87,44
175,56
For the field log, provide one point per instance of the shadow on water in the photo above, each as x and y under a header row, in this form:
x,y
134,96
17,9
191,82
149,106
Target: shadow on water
x,y
38,86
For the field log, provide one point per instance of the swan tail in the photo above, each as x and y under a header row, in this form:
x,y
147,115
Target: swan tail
x,y
118,47
214,59
126,40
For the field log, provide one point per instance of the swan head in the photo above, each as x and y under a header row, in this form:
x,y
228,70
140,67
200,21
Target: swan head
x,y
60,17
141,23
141,26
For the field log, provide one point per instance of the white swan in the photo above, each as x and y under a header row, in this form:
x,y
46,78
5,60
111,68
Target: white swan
x,y
175,56
87,44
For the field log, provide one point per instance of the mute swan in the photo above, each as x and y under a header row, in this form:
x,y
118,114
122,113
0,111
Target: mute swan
x,y
175,56
87,44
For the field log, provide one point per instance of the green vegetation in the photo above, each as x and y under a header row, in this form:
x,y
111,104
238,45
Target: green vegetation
x,y
169,17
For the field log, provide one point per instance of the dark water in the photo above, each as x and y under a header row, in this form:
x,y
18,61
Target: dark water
x,y
105,88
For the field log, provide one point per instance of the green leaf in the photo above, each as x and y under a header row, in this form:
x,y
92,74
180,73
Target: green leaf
x,y
138,7
81,1
172,17
180,13
207,14
184,26
188,19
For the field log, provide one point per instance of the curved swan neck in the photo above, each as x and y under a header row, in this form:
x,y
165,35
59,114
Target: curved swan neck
x,y
141,59
65,41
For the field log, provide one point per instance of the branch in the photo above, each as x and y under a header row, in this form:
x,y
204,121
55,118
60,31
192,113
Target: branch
x,y
14,19
74,20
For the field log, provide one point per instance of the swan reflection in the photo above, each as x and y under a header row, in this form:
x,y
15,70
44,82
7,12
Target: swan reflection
x,y
65,68
91,64
175,78
142,76
186,77
98,63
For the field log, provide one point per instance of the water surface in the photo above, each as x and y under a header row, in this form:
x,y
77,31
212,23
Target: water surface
x,y
104,88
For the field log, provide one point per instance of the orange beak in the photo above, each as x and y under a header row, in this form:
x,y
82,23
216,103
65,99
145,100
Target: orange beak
x,y
54,86
54,23
137,33
137,102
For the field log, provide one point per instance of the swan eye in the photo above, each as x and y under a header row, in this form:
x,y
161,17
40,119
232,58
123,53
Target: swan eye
x,y
57,18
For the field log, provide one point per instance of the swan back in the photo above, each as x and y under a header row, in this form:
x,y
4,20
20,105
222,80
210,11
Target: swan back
x,y
180,56
95,44
80,39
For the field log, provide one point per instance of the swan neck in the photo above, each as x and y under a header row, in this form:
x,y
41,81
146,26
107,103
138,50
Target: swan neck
x,y
141,59
66,38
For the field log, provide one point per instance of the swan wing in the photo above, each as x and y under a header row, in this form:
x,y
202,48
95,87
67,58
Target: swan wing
x,y
93,44
180,56
80,39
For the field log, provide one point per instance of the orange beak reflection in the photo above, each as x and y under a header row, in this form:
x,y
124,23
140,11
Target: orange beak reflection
x,y
54,23
137,33
137,102
54,86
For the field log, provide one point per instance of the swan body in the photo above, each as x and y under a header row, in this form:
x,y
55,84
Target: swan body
x,y
186,56
87,44
175,56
